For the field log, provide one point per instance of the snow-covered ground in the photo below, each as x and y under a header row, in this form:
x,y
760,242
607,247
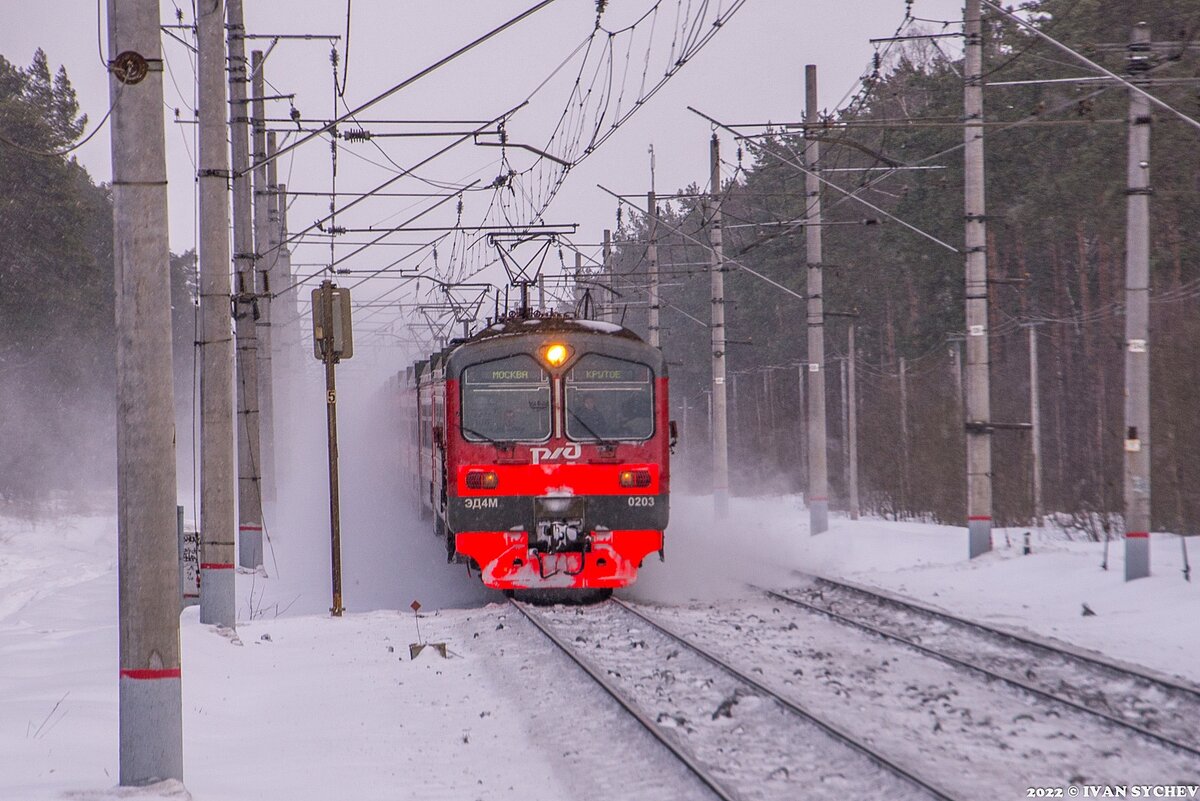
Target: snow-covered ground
x,y
1150,622
297,706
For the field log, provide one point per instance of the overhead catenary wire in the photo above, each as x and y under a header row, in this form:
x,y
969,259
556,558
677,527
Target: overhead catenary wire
x,y
409,81
1133,87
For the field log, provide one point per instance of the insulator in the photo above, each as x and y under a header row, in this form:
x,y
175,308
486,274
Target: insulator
x,y
356,135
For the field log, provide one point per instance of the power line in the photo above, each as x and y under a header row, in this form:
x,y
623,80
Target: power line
x,y
1092,64
413,78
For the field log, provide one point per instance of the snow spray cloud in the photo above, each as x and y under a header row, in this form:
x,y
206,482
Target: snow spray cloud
x,y
709,559
389,556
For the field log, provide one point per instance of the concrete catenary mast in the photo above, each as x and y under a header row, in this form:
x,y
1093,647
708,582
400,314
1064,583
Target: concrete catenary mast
x,y
1137,321
818,469
150,730
720,423
978,401
250,534
217,485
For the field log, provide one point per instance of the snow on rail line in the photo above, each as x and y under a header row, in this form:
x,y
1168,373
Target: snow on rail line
x,y
1159,709
751,742
981,738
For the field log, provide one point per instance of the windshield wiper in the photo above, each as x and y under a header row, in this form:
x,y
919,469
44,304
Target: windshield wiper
x,y
590,430
497,443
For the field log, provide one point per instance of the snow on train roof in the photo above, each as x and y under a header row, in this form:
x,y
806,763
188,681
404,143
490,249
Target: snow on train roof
x,y
555,324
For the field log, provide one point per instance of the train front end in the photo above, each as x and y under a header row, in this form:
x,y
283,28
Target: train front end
x,y
557,454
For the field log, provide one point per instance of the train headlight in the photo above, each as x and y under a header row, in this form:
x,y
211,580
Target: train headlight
x,y
635,478
482,479
555,354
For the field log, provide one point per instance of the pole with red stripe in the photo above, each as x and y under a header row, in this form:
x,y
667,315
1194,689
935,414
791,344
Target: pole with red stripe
x,y
1137,321
217,480
978,401
150,707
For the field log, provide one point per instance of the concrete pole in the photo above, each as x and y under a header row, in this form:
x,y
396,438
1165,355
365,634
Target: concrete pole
x,y
289,342
652,267
762,415
265,214
218,518
150,730
978,407
542,292
611,300
904,447
1035,434
845,428
803,428
287,339
1137,325
818,469
739,432
956,369
852,422
250,539
579,288
720,421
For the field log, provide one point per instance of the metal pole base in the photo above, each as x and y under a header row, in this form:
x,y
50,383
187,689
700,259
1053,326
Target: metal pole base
x,y
1137,556
217,596
151,723
250,547
818,517
979,537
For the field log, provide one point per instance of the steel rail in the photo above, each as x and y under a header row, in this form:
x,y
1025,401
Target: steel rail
x,y
834,731
980,669
655,730
1124,672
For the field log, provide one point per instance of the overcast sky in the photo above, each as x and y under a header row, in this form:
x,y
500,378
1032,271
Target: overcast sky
x,y
752,70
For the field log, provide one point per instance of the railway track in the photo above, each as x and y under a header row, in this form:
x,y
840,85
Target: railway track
x,y
1156,708
690,709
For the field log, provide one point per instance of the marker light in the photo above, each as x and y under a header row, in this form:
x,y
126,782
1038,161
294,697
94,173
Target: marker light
x,y
482,479
555,354
634,478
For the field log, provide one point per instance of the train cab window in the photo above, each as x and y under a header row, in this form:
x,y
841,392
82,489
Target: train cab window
x,y
506,400
609,399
